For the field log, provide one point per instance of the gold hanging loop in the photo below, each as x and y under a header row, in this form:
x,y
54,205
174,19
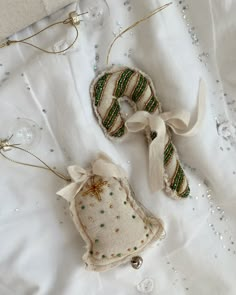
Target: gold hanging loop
x,y
134,25
73,20
5,146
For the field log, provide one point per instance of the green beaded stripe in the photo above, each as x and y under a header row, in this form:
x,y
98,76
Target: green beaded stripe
x,y
122,83
178,179
181,180
151,105
139,89
154,106
120,132
112,114
168,153
98,88
186,193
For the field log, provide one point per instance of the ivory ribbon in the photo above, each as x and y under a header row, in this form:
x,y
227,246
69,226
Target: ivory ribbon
x,y
178,121
102,166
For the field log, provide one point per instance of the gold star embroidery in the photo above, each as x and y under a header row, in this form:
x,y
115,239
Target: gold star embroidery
x,y
95,189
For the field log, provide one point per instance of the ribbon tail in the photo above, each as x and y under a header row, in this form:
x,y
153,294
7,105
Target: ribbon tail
x,y
77,173
69,192
201,101
156,165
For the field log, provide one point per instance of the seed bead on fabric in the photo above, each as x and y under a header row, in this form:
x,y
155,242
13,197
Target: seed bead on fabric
x,y
115,228
123,83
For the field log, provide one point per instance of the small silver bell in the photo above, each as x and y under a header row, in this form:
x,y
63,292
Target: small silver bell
x,y
136,262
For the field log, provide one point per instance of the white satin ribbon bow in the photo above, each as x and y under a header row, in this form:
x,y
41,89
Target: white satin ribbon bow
x,y
178,121
102,166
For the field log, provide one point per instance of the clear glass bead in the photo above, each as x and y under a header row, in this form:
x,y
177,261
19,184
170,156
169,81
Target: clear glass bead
x,y
226,130
98,12
145,286
24,132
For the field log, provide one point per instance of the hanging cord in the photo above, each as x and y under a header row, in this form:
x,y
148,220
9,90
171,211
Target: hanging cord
x,y
73,20
5,146
134,25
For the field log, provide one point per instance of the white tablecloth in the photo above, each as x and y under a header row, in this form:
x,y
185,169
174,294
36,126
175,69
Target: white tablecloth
x,y
40,249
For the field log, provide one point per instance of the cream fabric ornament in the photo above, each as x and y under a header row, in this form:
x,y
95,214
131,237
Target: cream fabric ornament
x,y
123,83
113,225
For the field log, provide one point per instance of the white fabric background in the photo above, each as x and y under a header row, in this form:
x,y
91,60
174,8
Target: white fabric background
x,y
40,250
15,14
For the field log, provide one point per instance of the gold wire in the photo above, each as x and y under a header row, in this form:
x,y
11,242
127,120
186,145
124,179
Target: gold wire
x,y
134,25
44,50
47,167
66,21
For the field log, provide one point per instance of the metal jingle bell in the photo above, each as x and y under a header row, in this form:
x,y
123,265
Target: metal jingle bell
x,y
136,262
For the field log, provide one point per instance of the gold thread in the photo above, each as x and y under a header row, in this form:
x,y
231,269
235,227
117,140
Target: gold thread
x,y
180,194
175,173
128,84
141,100
134,25
95,188
117,81
148,100
108,110
116,118
69,20
121,124
143,94
182,186
156,107
47,167
170,159
136,84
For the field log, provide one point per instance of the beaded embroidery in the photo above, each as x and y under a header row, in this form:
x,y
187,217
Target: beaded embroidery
x,y
107,90
95,188
115,228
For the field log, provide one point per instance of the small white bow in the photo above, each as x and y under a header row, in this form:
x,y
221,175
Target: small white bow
x,y
177,120
102,166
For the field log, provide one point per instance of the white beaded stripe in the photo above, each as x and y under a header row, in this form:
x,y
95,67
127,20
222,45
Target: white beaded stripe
x,y
107,96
